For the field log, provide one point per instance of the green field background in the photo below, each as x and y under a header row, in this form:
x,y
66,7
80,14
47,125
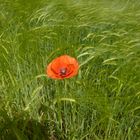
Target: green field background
x,y
102,102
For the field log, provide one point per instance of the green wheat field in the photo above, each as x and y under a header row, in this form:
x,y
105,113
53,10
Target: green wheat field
x,y
102,102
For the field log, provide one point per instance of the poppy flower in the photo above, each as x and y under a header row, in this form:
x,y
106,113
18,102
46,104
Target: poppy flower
x,y
62,67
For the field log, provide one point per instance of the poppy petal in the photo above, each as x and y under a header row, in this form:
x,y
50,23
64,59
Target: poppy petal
x,y
63,67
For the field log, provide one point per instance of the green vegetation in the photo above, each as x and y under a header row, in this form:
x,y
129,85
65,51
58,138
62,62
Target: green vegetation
x,y
102,102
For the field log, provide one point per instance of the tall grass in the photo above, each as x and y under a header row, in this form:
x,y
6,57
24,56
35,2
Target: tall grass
x,y
102,102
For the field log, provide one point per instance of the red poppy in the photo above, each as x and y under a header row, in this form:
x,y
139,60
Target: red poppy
x,y
62,67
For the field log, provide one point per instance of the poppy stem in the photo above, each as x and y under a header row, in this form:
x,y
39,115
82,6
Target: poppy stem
x,y
65,86
64,126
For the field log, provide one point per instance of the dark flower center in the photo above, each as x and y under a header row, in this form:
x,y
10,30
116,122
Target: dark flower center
x,y
63,71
